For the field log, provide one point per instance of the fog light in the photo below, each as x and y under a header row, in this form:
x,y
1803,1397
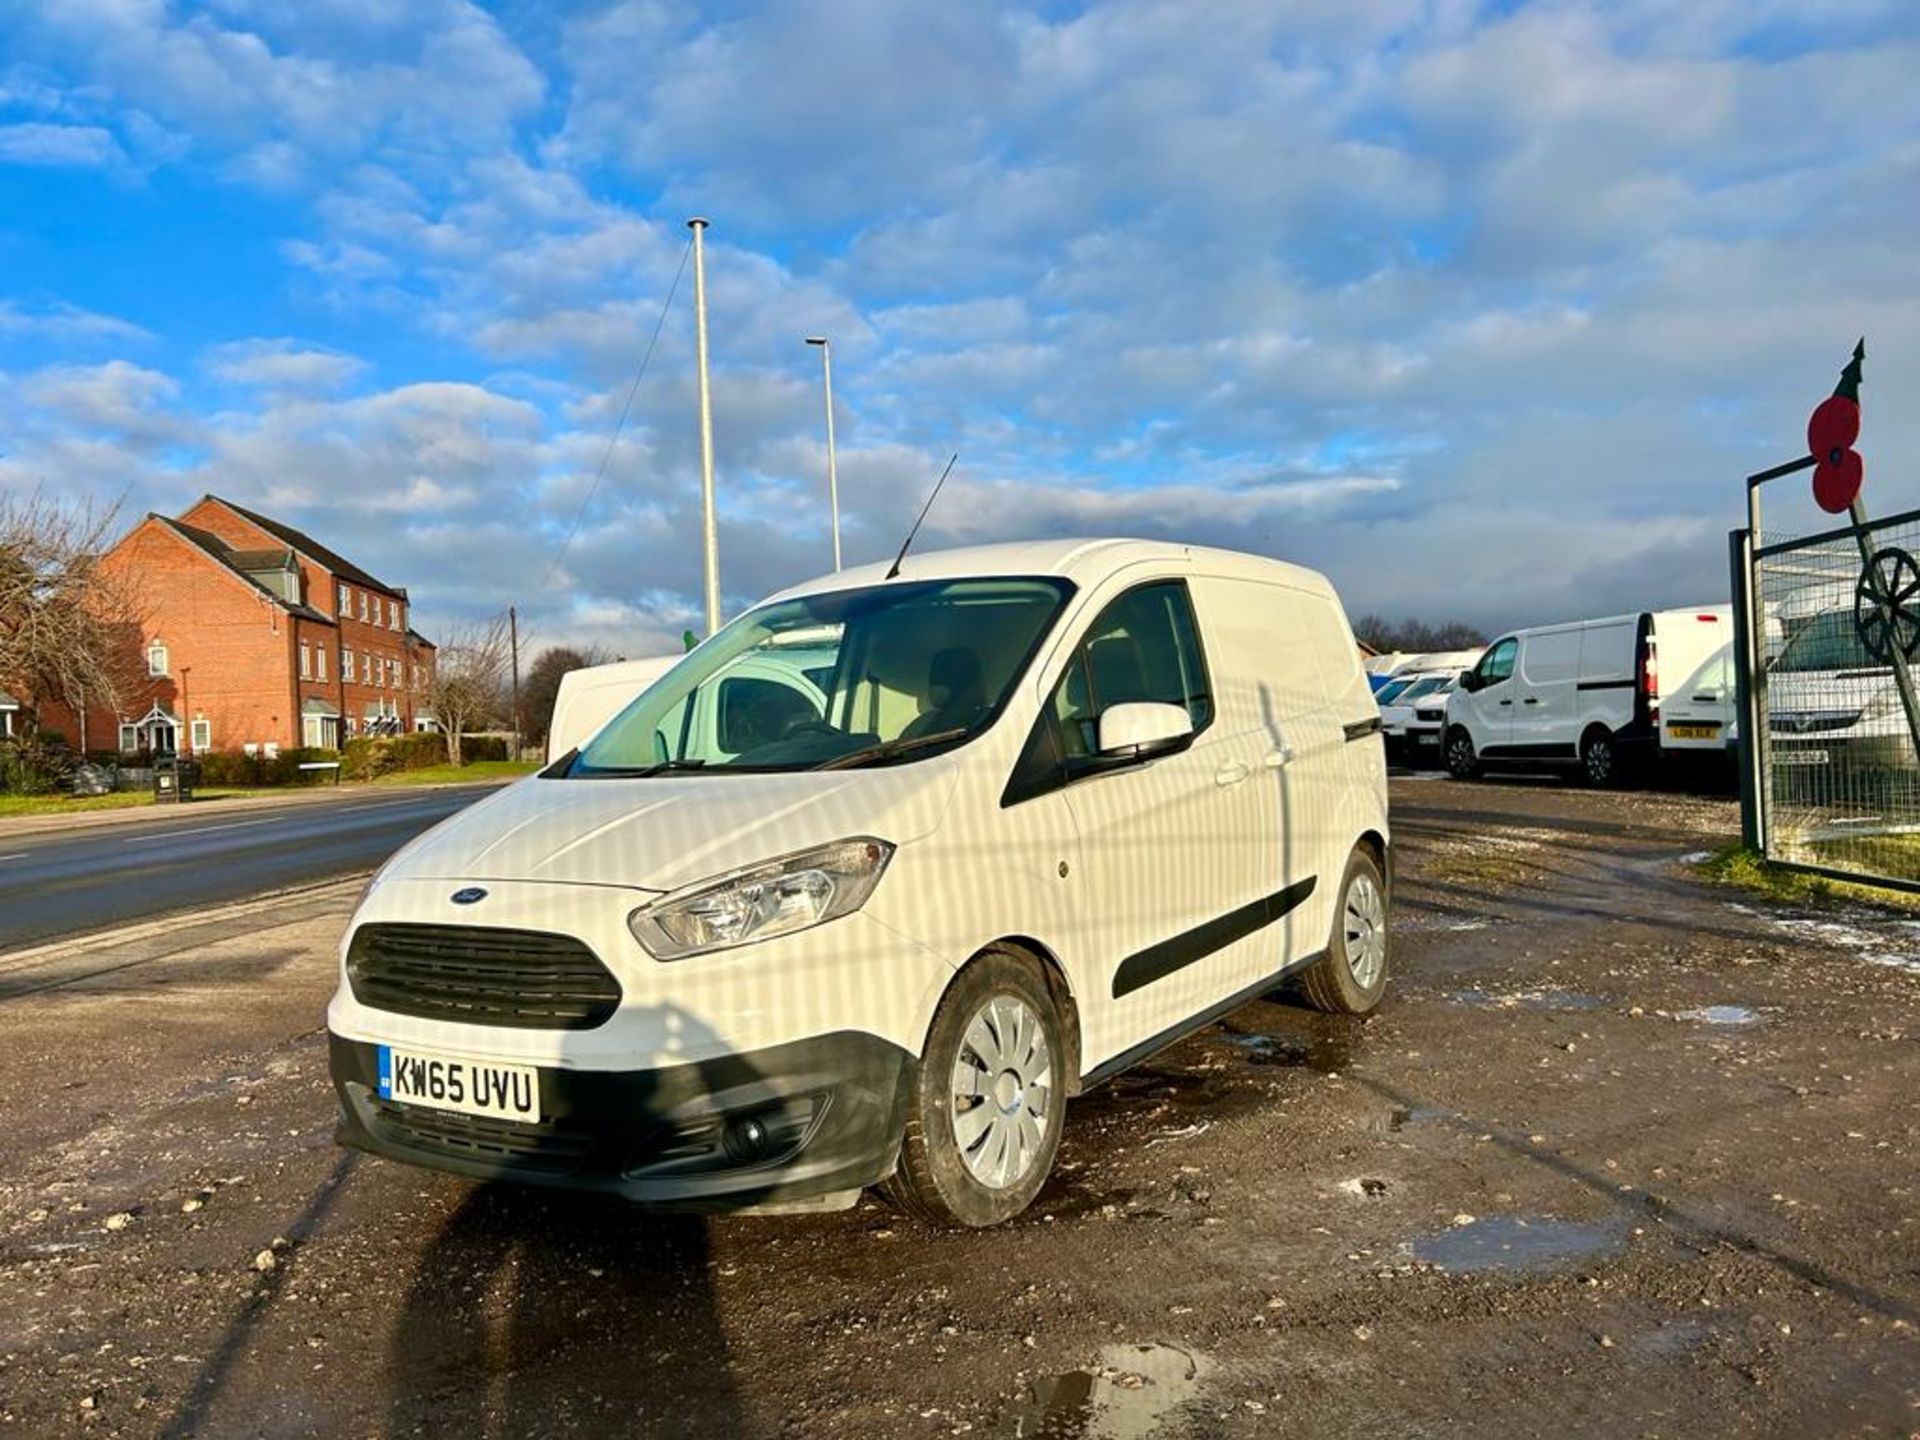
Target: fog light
x,y
749,1140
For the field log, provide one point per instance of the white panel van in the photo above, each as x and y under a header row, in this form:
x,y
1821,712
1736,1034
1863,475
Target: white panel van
x,y
1586,695
1048,808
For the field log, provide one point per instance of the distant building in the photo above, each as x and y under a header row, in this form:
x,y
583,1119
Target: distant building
x,y
255,634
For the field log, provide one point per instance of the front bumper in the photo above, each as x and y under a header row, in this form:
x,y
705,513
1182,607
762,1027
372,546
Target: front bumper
x,y
829,1112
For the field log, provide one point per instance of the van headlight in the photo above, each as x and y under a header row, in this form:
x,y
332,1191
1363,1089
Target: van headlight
x,y
793,893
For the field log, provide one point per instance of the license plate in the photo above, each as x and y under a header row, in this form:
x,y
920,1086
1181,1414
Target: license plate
x,y
1427,737
472,1087
1694,732
1800,757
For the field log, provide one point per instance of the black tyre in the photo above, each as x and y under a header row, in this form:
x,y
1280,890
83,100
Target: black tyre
x,y
1352,976
1599,759
1463,763
989,1098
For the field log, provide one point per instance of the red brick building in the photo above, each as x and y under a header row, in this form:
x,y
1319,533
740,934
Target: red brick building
x,y
255,634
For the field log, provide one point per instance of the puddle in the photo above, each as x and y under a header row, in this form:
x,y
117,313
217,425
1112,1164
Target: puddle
x,y
1719,1015
1329,1052
1126,1396
1526,1000
1406,1115
1513,1243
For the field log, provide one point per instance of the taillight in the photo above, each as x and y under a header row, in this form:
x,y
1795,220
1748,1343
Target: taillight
x,y
1650,677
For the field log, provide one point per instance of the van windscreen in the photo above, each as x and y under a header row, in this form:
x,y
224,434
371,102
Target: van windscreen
x,y
881,675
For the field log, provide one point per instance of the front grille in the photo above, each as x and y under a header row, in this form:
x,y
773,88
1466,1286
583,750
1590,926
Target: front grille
x,y
522,979
1816,722
548,1146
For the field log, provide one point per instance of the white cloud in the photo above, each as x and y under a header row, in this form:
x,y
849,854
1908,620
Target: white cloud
x,y
84,147
281,365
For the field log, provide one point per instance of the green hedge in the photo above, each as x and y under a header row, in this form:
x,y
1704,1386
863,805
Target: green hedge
x,y
236,767
370,758
482,747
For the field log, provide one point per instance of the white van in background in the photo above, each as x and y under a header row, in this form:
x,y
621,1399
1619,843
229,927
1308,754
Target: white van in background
x,y
594,694
1047,809
1587,694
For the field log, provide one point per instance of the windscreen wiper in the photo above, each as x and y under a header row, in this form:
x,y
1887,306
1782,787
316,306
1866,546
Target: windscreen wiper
x,y
638,772
887,749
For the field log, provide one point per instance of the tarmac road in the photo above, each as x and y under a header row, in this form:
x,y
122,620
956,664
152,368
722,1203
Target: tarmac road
x,y
202,855
1621,1154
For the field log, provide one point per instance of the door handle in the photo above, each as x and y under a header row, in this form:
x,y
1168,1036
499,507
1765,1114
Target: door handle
x,y
1506,702
1232,773
1279,758
1530,701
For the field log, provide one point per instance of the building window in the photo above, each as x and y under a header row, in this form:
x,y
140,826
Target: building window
x,y
346,602
200,734
393,674
156,660
306,661
393,614
320,662
346,664
129,739
363,605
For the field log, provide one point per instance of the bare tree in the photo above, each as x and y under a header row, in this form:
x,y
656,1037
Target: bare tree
x,y
542,684
1417,636
470,669
69,624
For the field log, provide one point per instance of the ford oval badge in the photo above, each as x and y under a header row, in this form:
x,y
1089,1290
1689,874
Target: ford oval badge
x,y
472,895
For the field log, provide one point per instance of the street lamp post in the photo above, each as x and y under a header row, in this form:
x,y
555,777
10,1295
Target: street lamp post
x,y
833,474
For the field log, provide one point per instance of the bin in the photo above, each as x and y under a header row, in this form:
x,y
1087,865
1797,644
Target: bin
x,y
173,779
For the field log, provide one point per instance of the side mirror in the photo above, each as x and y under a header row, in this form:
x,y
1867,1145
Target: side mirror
x,y
1469,680
1140,730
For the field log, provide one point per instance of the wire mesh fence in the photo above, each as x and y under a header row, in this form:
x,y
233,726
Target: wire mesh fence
x,y
1840,765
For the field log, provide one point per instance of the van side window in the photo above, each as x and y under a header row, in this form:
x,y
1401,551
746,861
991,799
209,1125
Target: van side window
x,y
1144,646
1497,664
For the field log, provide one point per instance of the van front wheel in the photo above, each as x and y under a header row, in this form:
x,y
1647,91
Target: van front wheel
x,y
1352,976
988,1099
1462,762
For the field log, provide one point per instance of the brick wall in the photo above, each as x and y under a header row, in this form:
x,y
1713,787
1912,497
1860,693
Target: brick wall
x,y
377,642
229,649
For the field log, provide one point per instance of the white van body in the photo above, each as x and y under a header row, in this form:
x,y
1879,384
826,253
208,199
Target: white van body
x,y
594,694
1588,694
1833,708
1154,861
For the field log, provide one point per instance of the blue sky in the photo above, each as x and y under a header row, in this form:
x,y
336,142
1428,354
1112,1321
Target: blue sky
x,y
1482,308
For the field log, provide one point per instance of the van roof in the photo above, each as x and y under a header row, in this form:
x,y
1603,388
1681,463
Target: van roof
x,y
1083,561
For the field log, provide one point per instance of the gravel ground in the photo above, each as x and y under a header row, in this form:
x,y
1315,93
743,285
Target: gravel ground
x,y
1620,1154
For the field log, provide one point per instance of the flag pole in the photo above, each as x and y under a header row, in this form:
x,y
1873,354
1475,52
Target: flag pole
x,y
709,535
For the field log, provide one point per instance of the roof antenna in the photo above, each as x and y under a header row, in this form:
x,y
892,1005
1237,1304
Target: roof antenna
x,y
923,515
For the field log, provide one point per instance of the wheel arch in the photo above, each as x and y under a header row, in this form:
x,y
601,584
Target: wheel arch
x,y
1059,990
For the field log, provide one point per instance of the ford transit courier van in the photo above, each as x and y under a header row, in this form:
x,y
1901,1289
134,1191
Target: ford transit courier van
x,y
1048,808
1586,696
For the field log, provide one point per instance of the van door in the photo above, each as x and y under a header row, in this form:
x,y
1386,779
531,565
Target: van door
x,y
1546,722
1272,644
1486,709
1169,855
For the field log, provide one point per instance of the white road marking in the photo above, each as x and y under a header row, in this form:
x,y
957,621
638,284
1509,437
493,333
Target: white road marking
x,y
199,830
21,856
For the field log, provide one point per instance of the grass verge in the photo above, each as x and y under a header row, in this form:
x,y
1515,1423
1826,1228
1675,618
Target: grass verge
x,y
1739,868
462,774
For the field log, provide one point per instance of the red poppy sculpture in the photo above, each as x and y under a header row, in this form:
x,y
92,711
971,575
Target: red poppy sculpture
x,y
1831,431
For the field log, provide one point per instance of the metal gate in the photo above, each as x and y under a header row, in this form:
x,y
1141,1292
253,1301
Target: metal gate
x,y
1828,635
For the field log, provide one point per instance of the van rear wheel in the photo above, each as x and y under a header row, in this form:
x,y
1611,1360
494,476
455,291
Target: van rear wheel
x,y
1352,976
1462,761
988,1101
1599,761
